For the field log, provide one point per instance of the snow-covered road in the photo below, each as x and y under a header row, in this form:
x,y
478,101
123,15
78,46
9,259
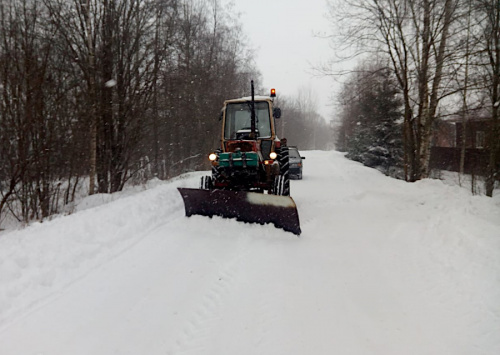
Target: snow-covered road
x,y
382,267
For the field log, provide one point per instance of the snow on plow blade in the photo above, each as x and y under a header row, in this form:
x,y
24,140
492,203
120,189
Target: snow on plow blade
x,y
245,206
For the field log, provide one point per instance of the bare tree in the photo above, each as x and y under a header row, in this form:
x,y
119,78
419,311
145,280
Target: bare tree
x,y
76,23
36,118
465,110
414,34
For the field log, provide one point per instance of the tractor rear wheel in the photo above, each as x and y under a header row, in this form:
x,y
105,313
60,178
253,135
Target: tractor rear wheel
x,y
284,161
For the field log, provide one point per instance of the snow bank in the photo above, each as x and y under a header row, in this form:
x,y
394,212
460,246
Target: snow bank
x,y
45,257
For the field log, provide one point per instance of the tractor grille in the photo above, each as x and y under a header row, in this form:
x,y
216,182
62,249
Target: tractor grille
x,y
239,159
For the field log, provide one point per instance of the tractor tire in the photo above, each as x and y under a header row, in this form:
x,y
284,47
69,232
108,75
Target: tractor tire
x,y
215,173
215,169
284,161
278,185
206,183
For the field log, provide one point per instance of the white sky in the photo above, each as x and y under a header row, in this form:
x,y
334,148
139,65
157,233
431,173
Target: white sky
x,y
283,31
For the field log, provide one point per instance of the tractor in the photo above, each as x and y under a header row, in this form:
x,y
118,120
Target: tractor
x,y
250,170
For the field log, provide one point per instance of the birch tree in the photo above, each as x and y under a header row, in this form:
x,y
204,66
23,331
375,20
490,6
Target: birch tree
x,y
488,12
414,35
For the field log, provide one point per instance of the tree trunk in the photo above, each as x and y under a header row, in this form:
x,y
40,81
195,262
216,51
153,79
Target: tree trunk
x,y
494,135
92,114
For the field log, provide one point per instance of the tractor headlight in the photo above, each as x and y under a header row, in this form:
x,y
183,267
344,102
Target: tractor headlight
x,y
273,155
212,157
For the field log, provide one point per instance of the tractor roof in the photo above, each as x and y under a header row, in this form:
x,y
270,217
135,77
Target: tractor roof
x,y
249,98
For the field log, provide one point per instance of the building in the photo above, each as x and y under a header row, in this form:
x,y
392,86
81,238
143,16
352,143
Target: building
x,y
448,143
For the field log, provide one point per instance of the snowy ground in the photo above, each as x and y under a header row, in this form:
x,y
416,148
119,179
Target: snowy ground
x,y
382,267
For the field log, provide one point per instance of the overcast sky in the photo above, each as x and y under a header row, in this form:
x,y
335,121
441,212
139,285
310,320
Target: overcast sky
x,y
283,32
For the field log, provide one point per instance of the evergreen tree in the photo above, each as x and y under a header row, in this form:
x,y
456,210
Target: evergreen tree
x,y
372,118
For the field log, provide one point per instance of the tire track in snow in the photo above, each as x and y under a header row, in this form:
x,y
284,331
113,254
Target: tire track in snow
x,y
195,334
266,317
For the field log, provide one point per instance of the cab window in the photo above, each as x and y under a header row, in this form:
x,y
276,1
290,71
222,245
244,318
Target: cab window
x,y
238,120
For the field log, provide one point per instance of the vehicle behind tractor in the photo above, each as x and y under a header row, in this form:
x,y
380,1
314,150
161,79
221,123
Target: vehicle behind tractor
x,y
250,178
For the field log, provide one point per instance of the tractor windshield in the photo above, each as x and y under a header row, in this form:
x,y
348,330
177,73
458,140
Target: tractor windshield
x,y
238,120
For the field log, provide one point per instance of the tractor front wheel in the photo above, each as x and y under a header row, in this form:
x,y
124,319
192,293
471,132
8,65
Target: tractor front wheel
x,y
206,183
278,185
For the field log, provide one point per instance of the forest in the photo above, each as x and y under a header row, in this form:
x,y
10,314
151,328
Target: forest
x,y
95,94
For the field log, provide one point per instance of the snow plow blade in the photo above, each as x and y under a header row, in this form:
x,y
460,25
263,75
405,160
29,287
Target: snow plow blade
x,y
251,207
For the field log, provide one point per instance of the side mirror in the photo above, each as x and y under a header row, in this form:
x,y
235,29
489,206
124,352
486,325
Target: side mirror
x,y
303,157
276,112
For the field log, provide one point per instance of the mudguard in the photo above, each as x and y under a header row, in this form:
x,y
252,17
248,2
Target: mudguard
x,y
251,207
